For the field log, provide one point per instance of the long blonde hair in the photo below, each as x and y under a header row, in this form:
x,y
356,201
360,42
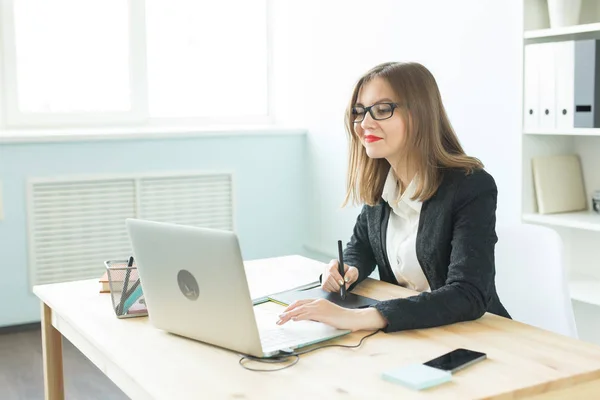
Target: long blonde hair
x,y
430,142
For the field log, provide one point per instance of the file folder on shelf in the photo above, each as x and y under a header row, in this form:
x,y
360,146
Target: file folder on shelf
x,y
565,84
531,112
547,86
587,85
562,85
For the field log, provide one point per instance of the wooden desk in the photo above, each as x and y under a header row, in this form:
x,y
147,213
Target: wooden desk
x,y
145,363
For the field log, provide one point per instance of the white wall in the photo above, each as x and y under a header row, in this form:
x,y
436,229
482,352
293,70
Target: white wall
x,y
473,48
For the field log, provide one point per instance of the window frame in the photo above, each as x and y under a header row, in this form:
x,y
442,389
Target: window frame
x,y
13,119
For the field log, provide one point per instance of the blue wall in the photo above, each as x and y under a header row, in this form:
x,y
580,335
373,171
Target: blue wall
x,y
270,189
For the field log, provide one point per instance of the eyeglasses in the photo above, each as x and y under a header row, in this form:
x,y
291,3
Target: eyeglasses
x,y
379,111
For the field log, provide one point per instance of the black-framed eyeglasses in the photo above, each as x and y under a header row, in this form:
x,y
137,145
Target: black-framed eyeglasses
x,y
379,111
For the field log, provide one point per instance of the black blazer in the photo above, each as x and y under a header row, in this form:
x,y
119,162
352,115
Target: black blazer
x,y
455,247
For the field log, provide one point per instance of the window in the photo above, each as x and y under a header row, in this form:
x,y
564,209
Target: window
x,y
143,61
203,64
70,64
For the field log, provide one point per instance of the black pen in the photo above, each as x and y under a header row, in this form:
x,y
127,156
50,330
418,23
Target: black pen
x,y
341,269
125,284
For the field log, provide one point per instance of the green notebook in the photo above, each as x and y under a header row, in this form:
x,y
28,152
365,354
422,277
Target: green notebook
x,y
351,301
417,376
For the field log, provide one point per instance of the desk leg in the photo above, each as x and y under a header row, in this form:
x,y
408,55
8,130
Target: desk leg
x,y
53,360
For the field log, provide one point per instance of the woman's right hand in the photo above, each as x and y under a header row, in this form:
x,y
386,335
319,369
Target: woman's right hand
x,y
332,281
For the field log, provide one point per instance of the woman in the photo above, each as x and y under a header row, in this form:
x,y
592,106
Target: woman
x,y
428,220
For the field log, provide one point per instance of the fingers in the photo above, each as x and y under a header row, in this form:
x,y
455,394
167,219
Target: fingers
x,y
299,310
351,275
296,304
334,274
332,280
293,310
301,317
330,286
292,314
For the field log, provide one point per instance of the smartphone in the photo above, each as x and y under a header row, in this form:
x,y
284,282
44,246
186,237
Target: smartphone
x,y
456,360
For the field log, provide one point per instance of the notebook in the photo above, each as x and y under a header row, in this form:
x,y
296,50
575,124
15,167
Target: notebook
x,y
417,376
558,184
351,301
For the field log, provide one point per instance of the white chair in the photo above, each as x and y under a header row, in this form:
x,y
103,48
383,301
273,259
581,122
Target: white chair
x,y
531,278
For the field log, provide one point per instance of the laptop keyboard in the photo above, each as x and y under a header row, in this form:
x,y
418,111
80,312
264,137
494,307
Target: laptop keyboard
x,y
291,335
280,338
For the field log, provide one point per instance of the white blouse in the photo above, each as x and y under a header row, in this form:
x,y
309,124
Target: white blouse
x,y
401,234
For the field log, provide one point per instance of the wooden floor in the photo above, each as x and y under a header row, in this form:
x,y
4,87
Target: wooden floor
x,y
21,373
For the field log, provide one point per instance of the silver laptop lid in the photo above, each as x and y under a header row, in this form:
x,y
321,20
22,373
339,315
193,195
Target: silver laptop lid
x,y
194,283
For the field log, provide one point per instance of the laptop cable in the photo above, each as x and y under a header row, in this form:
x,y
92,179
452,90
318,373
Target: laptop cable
x,y
282,358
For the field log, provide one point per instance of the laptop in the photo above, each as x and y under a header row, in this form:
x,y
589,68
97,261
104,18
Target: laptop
x,y
195,286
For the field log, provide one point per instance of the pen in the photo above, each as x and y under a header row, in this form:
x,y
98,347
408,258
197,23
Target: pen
x,y
125,284
133,294
341,269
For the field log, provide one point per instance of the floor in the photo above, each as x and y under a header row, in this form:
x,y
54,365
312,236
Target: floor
x,y
21,373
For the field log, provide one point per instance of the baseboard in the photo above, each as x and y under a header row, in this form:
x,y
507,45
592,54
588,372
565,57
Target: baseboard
x,y
20,328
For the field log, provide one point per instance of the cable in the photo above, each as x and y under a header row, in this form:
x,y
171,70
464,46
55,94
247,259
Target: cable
x,y
273,360
278,359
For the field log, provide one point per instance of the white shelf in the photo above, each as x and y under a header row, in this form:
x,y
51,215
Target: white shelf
x,y
585,289
565,132
586,220
575,32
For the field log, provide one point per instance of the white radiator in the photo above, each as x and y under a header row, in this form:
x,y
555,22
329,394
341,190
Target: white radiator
x,y
76,223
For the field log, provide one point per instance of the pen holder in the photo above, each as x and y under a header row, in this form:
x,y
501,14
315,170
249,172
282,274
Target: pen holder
x,y
596,201
125,289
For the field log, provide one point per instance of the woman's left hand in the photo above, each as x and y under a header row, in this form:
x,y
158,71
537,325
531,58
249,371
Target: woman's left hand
x,y
320,310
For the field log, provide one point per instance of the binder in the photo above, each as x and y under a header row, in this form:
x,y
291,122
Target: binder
x,y
587,87
564,58
547,86
562,85
531,111
558,184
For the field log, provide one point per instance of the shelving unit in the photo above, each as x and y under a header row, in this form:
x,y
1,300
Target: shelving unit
x,y
569,132
585,289
580,231
585,220
584,31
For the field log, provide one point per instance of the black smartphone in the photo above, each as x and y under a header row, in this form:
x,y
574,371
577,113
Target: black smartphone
x,y
456,360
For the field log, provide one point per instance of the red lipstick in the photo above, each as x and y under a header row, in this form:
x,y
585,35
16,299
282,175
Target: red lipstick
x,y
371,138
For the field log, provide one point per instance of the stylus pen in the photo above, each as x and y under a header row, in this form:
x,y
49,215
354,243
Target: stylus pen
x,y
341,269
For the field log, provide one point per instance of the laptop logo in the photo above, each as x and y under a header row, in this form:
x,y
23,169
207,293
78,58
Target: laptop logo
x,y
188,284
